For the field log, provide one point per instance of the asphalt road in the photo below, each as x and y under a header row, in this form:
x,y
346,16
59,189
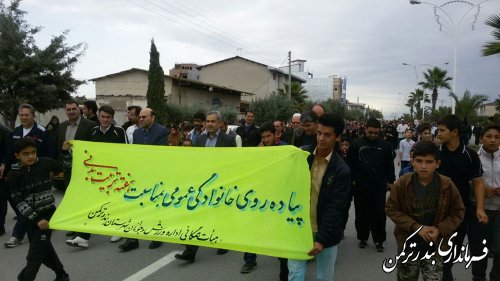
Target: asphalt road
x,y
104,261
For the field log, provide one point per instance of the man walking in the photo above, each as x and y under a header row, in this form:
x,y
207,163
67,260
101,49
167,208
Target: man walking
x,y
149,133
214,137
372,164
105,132
75,128
330,189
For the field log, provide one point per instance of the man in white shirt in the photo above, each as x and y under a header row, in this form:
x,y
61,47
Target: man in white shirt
x,y
133,121
401,128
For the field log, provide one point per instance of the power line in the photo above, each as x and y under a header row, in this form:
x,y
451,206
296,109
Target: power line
x,y
226,41
215,23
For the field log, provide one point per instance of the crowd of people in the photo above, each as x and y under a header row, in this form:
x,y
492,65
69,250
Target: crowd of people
x,y
444,189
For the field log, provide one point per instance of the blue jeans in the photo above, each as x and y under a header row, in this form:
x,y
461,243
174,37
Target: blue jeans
x,y
325,266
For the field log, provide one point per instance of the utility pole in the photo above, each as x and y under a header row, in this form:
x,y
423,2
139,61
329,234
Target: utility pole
x,y
290,75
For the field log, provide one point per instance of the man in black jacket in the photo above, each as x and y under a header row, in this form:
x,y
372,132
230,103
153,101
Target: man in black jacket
x,y
372,164
104,132
330,189
249,133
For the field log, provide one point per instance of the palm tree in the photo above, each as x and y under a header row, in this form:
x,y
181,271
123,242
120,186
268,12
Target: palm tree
x,y
418,95
299,95
466,107
493,48
411,103
435,79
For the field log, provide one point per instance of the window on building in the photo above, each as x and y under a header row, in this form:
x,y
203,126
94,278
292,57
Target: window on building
x,y
274,76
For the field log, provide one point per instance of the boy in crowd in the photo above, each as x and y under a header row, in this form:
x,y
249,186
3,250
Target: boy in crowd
x,y
462,165
268,137
405,147
429,203
425,132
489,154
31,190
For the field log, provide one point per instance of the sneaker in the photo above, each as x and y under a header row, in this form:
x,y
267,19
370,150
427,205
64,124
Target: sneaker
x,y
379,247
363,244
114,239
248,267
78,242
13,242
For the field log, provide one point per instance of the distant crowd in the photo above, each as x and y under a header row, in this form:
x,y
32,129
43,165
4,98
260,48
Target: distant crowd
x,y
445,189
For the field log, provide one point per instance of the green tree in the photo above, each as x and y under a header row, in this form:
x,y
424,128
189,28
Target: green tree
x,y
42,77
435,79
374,113
497,107
440,112
493,48
418,95
299,95
335,106
273,107
466,107
410,103
156,85
354,115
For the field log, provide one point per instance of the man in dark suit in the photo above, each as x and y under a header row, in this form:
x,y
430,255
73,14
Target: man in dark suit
x,y
75,128
214,137
149,133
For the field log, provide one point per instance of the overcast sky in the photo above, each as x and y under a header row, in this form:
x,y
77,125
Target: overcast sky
x,y
366,41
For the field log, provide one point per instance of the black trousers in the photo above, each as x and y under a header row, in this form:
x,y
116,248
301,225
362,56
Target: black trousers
x,y
4,196
458,241
40,251
369,207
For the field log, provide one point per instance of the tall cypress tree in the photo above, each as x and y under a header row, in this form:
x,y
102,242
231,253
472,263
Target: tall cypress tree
x,y
156,85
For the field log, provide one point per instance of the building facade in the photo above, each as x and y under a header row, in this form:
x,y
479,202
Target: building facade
x,y
319,88
129,87
487,109
249,76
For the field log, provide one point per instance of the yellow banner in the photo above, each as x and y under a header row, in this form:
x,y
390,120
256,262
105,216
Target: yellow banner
x,y
252,200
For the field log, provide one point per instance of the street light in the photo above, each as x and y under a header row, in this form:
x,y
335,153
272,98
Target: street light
x,y
416,76
452,28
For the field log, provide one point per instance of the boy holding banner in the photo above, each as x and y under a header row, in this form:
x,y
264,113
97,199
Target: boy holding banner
x,y
330,189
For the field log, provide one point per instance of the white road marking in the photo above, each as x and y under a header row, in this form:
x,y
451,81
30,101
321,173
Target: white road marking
x,y
152,268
